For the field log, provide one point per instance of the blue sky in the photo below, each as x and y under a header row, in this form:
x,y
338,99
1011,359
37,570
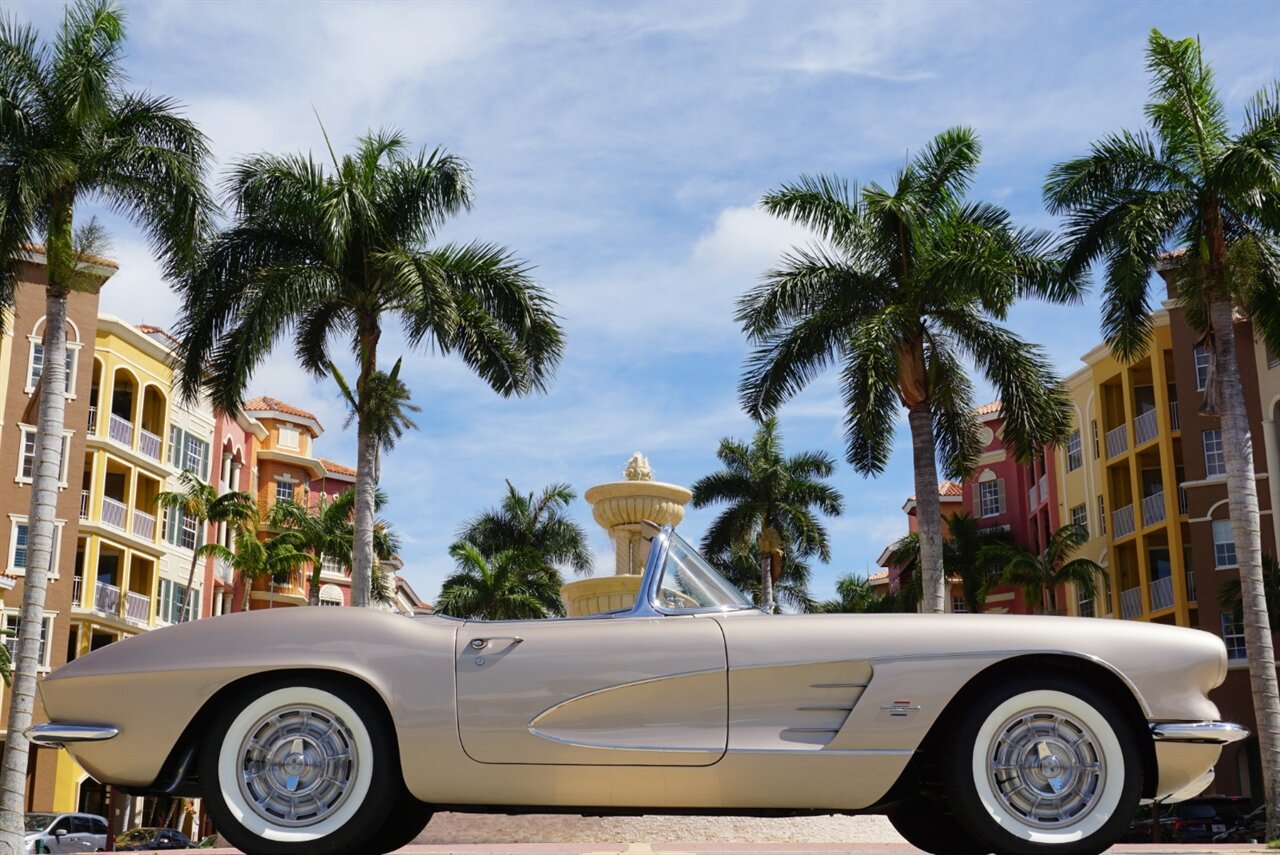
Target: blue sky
x,y
621,149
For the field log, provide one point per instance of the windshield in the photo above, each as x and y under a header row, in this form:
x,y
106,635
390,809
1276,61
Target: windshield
x,y
137,835
39,821
689,582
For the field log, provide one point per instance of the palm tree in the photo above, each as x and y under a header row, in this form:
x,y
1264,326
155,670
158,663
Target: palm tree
x,y
328,532
339,254
772,502
965,556
1230,593
742,568
200,502
854,595
532,523
511,585
912,281
1189,183
387,410
70,131
254,559
1040,574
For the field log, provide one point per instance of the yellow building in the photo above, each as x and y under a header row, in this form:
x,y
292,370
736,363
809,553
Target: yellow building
x,y
1122,476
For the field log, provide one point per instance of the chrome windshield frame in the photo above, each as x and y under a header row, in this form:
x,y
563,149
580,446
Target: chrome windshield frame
x,y
648,603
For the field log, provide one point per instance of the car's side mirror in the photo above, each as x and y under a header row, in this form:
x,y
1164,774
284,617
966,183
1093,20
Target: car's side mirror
x,y
60,833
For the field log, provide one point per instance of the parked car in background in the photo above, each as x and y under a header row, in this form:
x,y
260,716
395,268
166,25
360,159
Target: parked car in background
x,y
60,833
1200,820
1252,828
152,839
336,731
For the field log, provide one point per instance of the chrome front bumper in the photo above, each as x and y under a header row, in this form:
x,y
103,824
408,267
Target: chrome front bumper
x,y
57,735
1203,732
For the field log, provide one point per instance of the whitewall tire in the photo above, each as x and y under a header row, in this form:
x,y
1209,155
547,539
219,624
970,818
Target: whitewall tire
x,y
1045,765
302,766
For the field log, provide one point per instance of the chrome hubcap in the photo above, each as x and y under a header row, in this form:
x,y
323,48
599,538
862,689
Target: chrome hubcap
x,y
1047,768
297,764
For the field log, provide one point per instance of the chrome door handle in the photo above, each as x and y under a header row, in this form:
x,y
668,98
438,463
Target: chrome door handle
x,y
482,643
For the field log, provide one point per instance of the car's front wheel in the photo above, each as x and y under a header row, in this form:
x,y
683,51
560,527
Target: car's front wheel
x,y
300,766
1044,766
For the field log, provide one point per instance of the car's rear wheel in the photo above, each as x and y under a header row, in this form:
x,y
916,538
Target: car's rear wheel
x,y
300,766
1042,765
927,824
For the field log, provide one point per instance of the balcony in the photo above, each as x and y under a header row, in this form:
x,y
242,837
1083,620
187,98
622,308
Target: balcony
x,y
1145,428
1117,441
77,590
113,513
149,444
137,608
144,525
1122,521
84,504
1191,587
224,571
1182,500
1131,603
121,430
1032,497
1153,509
1175,421
1044,487
106,599
92,426
1162,593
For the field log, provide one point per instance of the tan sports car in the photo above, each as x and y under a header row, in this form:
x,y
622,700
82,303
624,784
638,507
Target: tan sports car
x,y
341,730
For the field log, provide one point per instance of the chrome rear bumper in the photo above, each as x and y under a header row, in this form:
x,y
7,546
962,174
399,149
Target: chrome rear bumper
x,y
1205,732
57,735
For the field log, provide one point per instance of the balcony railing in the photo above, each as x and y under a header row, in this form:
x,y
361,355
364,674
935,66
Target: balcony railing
x,y
224,571
1182,500
1153,509
1162,593
1145,427
1032,496
149,444
1122,521
106,599
1191,587
137,608
1175,420
1117,441
121,430
113,513
84,504
77,590
144,525
1131,603
93,419
1044,487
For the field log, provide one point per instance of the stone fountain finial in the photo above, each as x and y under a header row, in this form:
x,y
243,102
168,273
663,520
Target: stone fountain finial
x,y
638,468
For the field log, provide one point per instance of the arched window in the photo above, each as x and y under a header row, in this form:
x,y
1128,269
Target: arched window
x,y
35,356
330,595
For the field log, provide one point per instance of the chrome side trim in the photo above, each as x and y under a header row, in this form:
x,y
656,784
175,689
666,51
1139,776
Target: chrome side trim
x,y
57,735
1211,732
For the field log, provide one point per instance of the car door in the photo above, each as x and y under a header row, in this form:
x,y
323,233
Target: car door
x,y
628,691
82,837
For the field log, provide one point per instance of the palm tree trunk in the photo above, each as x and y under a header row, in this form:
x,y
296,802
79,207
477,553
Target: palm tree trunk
x,y
313,594
191,580
40,519
1242,498
928,508
362,540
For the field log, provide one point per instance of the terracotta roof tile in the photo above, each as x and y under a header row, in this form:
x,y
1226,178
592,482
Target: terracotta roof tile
x,y
988,409
92,259
161,331
950,488
883,574
337,468
265,403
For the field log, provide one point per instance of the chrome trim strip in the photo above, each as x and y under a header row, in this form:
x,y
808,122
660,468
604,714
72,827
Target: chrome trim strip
x,y
824,708
56,734
715,752
1210,732
811,730
819,751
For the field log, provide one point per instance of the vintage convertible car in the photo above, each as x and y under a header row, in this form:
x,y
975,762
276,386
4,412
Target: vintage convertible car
x,y
341,730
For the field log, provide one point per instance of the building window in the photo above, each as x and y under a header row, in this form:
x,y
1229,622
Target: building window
x,y
1097,446
331,566
1075,454
27,457
175,604
1272,359
957,605
1084,605
288,437
1102,515
188,453
1233,635
1202,367
189,531
330,595
990,498
1224,544
13,622
181,530
1215,462
20,547
284,490
36,367
1080,516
